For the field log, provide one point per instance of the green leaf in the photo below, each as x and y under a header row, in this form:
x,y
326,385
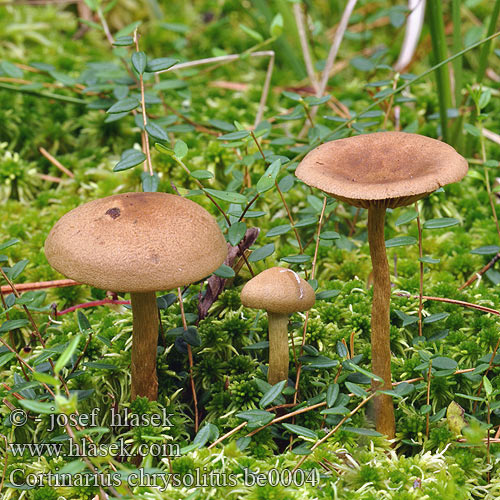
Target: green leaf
x,y
11,69
206,433
488,388
225,272
259,345
130,28
181,150
37,407
227,196
150,182
301,431
236,233
327,294
83,322
155,131
9,243
329,235
361,431
191,336
123,41
472,130
336,410
296,259
278,230
303,449
444,363
318,362
486,250
435,317
356,389
12,324
429,260
256,418
66,355
292,95
252,33
261,253
127,104
160,64
368,374
440,223
406,217
399,241
406,318
331,394
17,269
45,378
243,442
139,61
202,174
272,394
267,181
130,158
276,26
234,136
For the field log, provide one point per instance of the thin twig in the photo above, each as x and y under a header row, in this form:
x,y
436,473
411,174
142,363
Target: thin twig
x,y
428,400
24,287
479,273
300,21
190,357
56,163
452,301
265,90
335,429
421,271
145,135
94,303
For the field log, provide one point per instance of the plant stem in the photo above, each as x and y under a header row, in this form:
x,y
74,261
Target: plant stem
x,y
457,47
144,345
421,271
145,134
278,348
380,336
485,50
191,364
336,428
428,400
436,26
48,95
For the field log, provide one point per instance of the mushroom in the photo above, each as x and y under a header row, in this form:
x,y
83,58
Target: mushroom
x,y
138,243
379,171
280,292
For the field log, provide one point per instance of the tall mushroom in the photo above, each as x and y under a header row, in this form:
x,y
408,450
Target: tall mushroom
x,y
379,171
138,243
280,292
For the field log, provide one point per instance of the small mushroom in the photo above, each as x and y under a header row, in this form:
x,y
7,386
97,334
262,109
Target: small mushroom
x,y
138,243
280,292
379,171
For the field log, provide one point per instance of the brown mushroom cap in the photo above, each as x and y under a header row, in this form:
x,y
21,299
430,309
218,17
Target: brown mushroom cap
x,y
396,167
136,242
278,290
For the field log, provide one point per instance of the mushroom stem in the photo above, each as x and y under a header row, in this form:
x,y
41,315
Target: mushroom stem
x,y
380,336
144,345
278,348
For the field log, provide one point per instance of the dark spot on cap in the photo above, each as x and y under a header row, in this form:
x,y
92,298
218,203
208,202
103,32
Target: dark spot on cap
x,y
114,213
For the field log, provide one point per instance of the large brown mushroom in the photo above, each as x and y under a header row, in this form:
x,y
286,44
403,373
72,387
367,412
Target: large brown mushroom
x,y
280,292
138,243
379,171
